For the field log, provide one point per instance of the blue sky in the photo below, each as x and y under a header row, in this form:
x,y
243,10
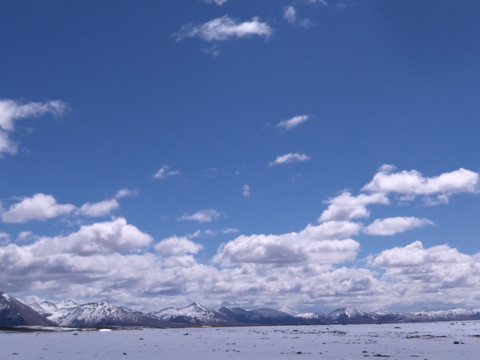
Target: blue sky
x,y
301,154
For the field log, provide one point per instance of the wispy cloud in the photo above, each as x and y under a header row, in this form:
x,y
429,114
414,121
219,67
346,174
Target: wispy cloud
x,y
101,208
4,238
218,2
289,158
225,28
12,111
202,216
165,172
122,193
291,16
292,123
323,2
246,190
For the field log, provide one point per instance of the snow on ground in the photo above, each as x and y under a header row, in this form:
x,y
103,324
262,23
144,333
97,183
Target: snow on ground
x,y
459,340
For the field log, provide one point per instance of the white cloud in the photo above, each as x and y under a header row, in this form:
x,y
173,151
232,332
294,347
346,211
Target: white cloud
x,y
290,14
289,158
246,190
416,255
177,246
284,250
224,28
218,2
293,122
24,236
38,207
394,225
7,146
414,183
331,230
99,238
122,193
101,208
319,244
11,111
115,260
323,2
165,172
202,216
439,274
347,207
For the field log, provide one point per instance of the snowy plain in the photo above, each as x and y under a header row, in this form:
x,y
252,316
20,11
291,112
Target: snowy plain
x,y
442,340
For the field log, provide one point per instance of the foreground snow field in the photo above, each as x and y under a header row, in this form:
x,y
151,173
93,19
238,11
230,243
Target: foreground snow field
x,y
458,340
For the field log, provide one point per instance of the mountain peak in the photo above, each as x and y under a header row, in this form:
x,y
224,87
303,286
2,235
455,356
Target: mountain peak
x,y
15,313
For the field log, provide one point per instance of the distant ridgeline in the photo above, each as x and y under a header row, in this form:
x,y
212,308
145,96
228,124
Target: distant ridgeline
x,y
72,314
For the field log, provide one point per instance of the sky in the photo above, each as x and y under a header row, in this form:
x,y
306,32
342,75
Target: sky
x,y
301,155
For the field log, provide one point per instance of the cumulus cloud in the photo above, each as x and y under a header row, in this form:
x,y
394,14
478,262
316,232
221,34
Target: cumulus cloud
x,y
431,275
99,238
115,260
386,180
416,255
165,172
202,216
319,244
346,206
293,122
39,207
12,111
394,225
289,158
225,28
246,190
177,246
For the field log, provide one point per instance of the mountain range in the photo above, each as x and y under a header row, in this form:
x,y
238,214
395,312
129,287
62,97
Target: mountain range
x,y
70,313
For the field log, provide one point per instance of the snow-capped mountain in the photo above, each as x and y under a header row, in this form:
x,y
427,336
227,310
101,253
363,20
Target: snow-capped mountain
x,y
261,316
193,314
352,316
71,313
442,315
15,313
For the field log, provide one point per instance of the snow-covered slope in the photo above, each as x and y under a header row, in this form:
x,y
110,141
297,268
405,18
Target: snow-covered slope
x,y
71,313
15,313
442,315
193,314
352,316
